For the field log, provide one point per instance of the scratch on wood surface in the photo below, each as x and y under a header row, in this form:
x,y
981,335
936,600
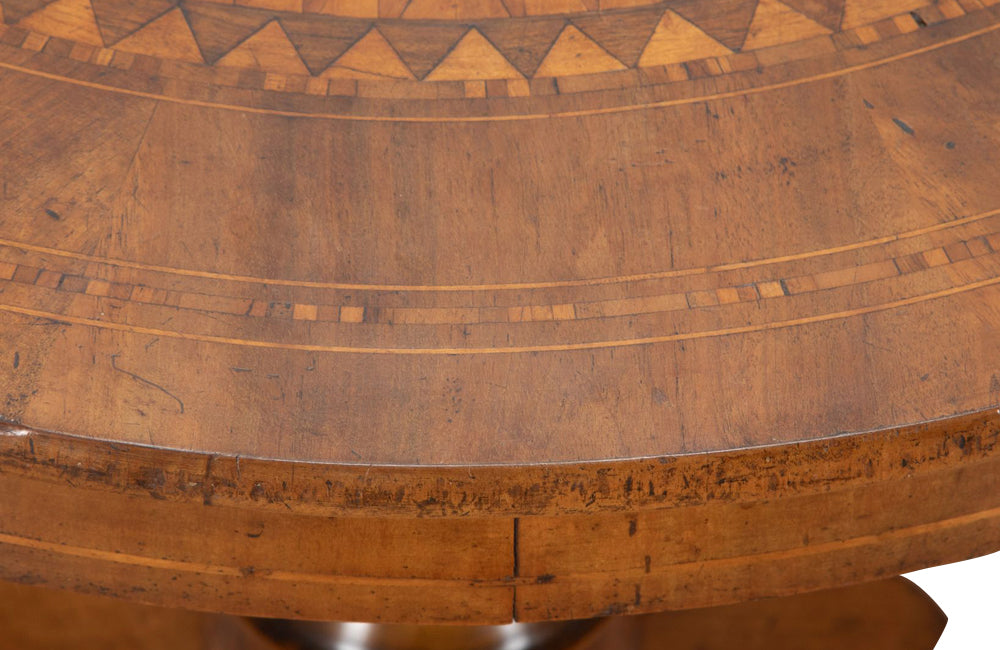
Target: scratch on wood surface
x,y
143,380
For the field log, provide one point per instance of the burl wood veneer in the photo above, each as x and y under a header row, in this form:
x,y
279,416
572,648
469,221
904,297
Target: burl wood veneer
x,y
430,312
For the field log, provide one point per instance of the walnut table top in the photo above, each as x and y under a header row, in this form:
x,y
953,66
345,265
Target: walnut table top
x,y
427,312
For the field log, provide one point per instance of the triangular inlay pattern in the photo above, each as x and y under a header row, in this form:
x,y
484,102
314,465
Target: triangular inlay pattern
x,y
575,53
447,40
370,58
775,23
167,37
220,28
826,12
727,21
321,40
524,42
675,40
118,18
268,50
70,19
422,45
474,58
623,34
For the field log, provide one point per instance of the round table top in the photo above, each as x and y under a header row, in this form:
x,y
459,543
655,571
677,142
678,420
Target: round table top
x,y
523,261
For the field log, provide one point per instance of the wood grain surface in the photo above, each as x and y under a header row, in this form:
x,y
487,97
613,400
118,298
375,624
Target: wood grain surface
x,y
527,310
34,618
889,615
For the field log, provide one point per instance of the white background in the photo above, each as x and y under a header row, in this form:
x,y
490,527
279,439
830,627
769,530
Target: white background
x,y
969,593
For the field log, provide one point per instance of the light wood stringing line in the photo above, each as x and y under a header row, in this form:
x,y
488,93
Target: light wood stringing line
x,y
638,277
593,345
748,292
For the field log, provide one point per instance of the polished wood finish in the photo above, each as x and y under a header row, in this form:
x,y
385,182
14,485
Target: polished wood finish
x,y
477,49
526,311
888,615
34,618
749,524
